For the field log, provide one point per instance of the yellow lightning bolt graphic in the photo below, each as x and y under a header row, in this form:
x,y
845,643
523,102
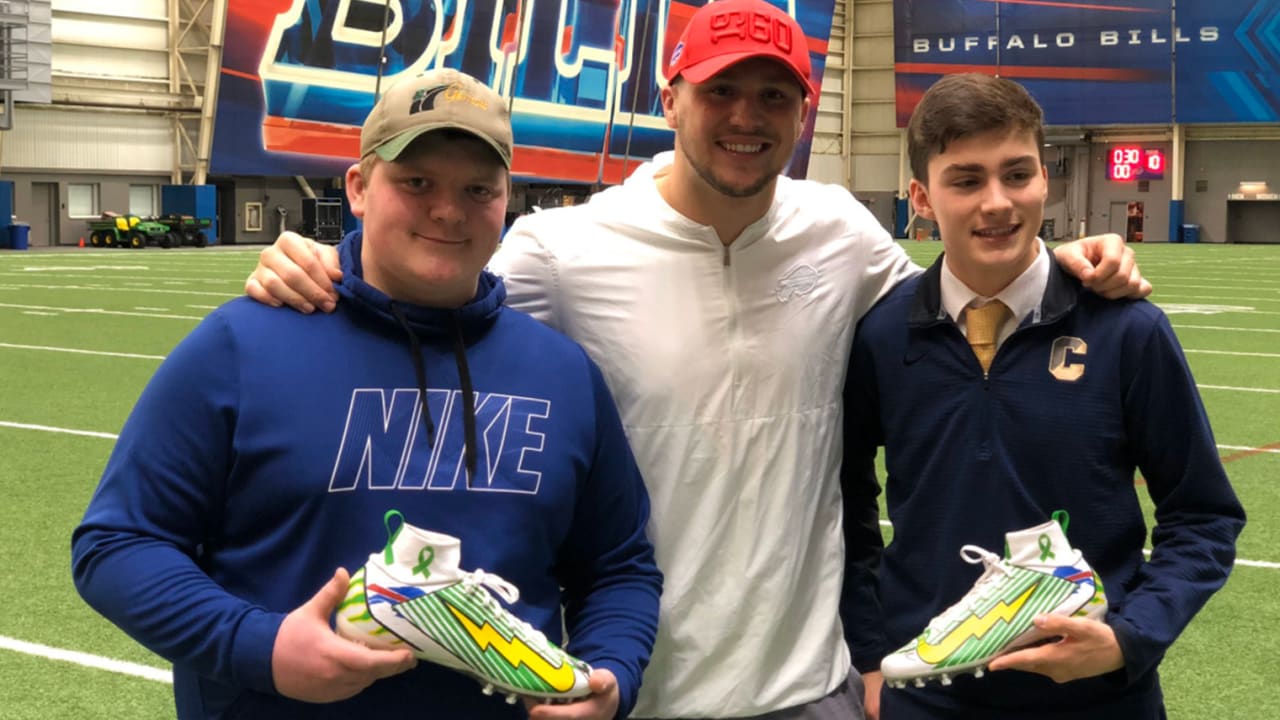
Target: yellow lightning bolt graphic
x,y
974,626
514,651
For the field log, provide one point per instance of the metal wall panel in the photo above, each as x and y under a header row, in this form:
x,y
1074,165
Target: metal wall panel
x,y
827,154
115,8
39,54
873,135
48,138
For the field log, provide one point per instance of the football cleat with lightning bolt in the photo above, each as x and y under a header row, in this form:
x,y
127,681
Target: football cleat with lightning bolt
x,y
413,594
1042,574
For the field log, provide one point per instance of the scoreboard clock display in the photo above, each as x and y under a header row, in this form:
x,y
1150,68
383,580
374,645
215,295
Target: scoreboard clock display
x,y
1133,162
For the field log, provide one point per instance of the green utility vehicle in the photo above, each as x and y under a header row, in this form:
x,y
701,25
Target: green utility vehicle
x,y
115,230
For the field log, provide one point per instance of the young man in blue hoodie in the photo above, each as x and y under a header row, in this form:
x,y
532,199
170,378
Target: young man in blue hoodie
x,y
467,446
1003,392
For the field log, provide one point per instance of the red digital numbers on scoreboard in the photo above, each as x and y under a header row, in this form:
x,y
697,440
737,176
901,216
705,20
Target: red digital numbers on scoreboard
x,y
1132,162
1155,163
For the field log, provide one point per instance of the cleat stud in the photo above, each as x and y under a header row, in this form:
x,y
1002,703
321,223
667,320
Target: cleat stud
x,y
946,679
487,689
511,698
979,672
919,682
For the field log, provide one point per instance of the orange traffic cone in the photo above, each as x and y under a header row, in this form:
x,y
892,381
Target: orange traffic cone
x,y
82,241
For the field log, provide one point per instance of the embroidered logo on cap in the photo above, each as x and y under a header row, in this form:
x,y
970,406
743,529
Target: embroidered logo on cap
x,y
425,99
751,26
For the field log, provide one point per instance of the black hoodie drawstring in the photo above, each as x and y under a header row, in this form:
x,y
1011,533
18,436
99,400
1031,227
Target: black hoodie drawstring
x,y
464,375
419,371
468,397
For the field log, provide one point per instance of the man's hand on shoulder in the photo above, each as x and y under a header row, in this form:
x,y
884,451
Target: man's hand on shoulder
x,y
1105,265
298,272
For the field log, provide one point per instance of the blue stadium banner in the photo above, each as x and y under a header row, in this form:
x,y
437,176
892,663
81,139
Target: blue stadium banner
x,y
584,76
1098,62
1237,77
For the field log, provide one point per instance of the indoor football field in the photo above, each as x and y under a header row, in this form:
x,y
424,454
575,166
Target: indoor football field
x,y
81,331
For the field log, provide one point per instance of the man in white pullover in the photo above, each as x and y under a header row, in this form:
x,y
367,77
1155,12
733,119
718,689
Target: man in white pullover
x,y
719,298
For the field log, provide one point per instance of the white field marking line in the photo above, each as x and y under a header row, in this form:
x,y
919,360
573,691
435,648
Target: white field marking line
x,y
120,282
1212,287
109,436
202,269
98,662
90,253
78,351
1180,325
1247,311
202,307
1225,273
1250,563
1147,552
1230,298
80,268
1246,563
62,431
1245,286
219,276
1247,449
106,288
1273,451
1251,269
52,261
1166,260
150,309
1177,308
99,311
36,312
1229,352
1268,391
1256,279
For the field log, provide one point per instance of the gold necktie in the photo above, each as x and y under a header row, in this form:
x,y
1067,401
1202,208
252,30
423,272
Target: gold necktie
x,y
983,327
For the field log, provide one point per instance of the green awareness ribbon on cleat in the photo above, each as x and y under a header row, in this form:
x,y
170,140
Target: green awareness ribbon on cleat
x,y
425,556
1062,518
387,555
1046,548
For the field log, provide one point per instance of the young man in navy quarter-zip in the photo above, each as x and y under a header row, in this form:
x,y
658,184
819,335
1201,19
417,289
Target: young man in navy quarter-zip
x,y
1047,419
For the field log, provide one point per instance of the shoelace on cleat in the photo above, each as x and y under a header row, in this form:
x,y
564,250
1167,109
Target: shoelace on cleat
x,y
994,572
478,583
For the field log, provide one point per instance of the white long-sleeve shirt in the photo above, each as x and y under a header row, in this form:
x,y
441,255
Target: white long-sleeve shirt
x,y
727,366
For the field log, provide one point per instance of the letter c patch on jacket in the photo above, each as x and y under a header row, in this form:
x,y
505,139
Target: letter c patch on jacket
x,y
1066,360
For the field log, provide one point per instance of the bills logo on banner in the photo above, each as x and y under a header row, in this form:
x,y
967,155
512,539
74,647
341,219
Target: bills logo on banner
x,y
584,77
1101,62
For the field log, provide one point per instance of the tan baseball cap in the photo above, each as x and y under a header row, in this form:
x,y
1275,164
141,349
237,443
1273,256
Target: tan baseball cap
x,y
436,100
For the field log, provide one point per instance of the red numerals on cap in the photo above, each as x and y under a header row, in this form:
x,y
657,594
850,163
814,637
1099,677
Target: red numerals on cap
x,y
756,26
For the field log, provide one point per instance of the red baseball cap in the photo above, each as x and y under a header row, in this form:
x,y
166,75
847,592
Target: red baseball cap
x,y
725,32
